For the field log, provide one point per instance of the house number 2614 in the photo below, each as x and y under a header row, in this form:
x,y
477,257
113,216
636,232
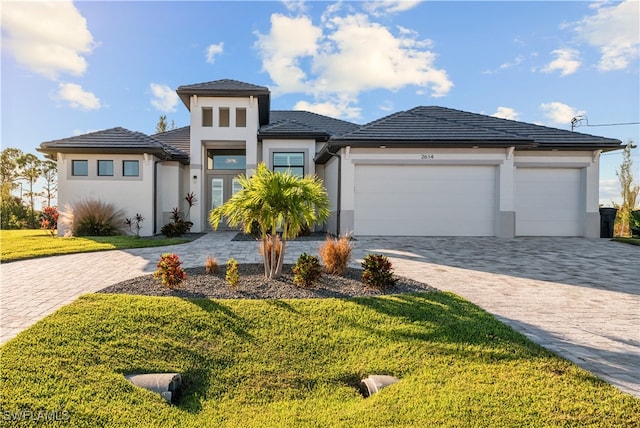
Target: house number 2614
x,y
426,157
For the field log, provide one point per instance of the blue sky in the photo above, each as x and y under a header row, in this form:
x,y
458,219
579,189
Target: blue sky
x,y
70,68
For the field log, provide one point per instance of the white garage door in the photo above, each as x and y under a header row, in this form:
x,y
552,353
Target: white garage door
x,y
417,200
548,202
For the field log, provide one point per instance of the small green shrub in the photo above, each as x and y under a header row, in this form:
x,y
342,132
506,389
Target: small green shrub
x,y
178,225
232,276
93,218
211,265
378,271
307,270
169,270
335,254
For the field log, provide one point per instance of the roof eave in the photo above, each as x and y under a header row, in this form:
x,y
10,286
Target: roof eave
x,y
160,153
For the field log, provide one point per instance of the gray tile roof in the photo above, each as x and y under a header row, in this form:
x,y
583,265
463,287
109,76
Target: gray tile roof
x,y
301,124
114,140
449,127
179,138
229,88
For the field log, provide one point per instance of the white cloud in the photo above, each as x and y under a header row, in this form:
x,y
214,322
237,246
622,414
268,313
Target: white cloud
x,y
614,31
506,113
214,50
567,62
610,192
290,40
164,98
335,108
78,97
517,61
346,55
560,113
381,7
295,5
49,38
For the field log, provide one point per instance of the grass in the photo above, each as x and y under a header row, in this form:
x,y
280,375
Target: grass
x,y
26,244
632,241
261,363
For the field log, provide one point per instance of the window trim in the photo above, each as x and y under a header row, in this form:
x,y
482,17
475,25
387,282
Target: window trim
x,y
98,168
73,167
289,167
124,170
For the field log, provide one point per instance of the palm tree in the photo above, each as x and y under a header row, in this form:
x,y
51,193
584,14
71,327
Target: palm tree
x,y
276,201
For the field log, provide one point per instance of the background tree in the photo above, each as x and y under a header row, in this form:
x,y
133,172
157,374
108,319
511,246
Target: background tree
x,y
276,201
13,214
50,175
30,170
629,191
161,126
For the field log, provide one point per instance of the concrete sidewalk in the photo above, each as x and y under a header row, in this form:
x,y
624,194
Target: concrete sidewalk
x,y
578,297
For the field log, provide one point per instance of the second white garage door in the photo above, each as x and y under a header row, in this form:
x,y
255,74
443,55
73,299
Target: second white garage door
x,y
417,200
549,202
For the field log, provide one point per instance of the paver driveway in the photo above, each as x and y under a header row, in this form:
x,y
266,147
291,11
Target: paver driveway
x,y
578,297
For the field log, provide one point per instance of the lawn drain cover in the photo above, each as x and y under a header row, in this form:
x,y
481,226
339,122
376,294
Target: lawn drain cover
x,y
375,383
165,384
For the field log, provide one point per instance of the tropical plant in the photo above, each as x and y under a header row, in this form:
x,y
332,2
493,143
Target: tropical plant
x,y
92,218
170,272
277,201
211,265
335,254
134,222
378,271
307,270
50,175
49,219
178,225
30,170
232,275
191,202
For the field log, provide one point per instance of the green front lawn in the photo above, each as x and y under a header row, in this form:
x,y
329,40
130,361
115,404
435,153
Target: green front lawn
x,y
26,244
632,241
261,363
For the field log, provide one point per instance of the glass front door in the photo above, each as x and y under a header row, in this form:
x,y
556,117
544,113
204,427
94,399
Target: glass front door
x,y
221,188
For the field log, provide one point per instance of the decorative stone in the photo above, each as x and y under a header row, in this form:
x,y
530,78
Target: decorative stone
x,y
165,384
375,383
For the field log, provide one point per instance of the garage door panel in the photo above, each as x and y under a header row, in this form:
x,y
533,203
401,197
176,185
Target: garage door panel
x,y
548,202
437,200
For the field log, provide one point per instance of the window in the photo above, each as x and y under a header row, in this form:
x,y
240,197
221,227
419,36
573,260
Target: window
x,y
241,118
80,168
226,159
207,116
105,168
292,162
224,117
130,168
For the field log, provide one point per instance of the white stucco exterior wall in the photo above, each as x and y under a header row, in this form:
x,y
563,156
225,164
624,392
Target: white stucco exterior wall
x,y
201,137
134,195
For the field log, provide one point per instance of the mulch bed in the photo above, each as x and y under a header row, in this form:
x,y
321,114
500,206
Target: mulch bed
x,y
254,285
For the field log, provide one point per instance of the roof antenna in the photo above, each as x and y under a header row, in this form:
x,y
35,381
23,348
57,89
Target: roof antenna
x,y
577,120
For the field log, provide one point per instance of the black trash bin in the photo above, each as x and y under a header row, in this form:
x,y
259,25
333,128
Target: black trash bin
x,y
607,220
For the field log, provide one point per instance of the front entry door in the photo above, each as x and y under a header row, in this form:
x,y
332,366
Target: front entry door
x,y
221,188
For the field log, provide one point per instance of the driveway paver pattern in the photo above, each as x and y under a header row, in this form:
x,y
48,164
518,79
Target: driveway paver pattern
x,y
577,297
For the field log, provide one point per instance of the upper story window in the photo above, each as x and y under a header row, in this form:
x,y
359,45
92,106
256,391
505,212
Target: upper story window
x,y
223,117
105,168
207,116
130,168
79,168
241,117
292,162
221,159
